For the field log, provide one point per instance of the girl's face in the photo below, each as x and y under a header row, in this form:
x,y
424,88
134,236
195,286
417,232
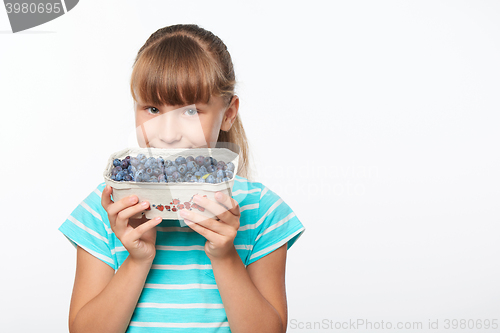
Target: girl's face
x,y
189,126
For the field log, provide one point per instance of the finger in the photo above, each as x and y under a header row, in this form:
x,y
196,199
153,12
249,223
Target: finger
x,y
140,230
106,197
207,223
122,204
122,218
219,208
232,205
207,233
212,206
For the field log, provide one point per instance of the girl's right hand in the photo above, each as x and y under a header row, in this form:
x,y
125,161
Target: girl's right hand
x,y
139,241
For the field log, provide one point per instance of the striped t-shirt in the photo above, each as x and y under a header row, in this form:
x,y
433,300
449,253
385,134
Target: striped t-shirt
x,y
180,292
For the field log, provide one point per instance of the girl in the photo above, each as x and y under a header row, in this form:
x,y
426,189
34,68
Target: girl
x,y
225,274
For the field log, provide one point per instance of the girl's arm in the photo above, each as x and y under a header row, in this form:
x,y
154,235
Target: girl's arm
x,y
254,298
112,309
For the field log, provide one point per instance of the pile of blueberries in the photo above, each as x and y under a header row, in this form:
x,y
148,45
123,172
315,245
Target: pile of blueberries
x,y
157,170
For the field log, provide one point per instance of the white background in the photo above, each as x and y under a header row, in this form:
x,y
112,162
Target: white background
x,y
376,121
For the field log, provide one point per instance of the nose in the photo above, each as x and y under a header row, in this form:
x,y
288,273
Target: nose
x,y
169,128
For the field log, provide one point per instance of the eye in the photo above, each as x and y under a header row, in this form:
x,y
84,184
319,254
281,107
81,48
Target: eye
x,y
191,112
152,107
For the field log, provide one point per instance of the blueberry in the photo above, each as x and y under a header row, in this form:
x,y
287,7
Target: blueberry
x,y
139,175
180,160
125,164
198,174
113,177
190,159
203,170
134,161
141,158
170,170
117,162
191,164
209,160
211,168
150,162
230,166
210,179
200,160
229,174
182,169
168,163
221,165
116,170
221,174
120,175
176,175
201,180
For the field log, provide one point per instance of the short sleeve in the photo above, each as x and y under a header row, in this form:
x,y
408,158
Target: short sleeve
x,y
276,225
88,227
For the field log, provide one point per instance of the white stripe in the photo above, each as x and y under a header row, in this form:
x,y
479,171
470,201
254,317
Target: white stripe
x,y
118,249
179,325
244,192
181,267
90,231
277,224
243,247
275,246
95,254
180,248
180,306
97,215
247,207
269,211
264,191
99,193
172,229
180,286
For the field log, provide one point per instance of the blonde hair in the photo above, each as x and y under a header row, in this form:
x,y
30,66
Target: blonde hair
x,y
185,64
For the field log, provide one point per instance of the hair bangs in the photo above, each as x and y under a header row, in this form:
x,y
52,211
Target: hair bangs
x,y
175,71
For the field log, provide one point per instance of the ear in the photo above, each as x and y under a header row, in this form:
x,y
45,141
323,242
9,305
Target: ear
x,y
230,114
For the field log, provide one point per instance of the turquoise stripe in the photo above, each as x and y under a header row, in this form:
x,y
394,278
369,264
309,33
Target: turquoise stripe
x,y
179,315
158,276
182,296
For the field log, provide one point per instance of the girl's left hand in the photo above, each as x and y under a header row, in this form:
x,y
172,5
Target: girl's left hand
x,y
220,233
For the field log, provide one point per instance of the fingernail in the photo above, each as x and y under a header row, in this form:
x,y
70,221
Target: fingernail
x,y
218,195
184,213
145,203
158,218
